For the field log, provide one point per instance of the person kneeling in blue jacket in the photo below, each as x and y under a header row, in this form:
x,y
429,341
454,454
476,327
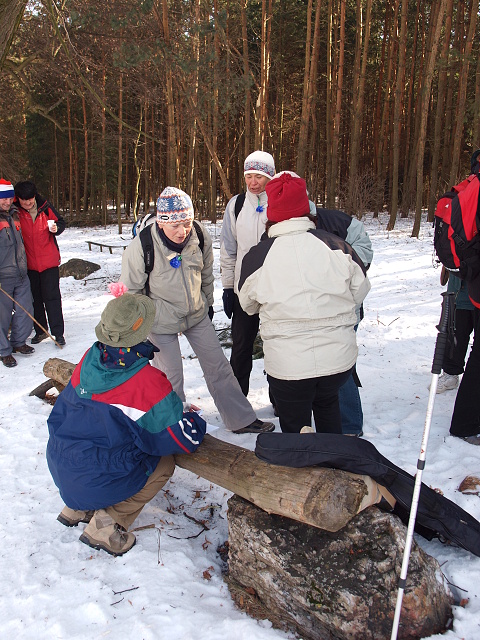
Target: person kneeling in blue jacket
x,y
115,427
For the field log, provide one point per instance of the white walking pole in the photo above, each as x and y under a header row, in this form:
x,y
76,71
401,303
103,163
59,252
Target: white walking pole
x,y
445,325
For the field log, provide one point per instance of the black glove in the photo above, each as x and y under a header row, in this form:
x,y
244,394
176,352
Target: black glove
x,y
228,298
210,312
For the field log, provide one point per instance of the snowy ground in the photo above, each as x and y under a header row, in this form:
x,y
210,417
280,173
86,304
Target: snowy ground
x,y
170,585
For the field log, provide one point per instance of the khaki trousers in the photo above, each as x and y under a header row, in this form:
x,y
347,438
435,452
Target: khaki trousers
x,y
125,512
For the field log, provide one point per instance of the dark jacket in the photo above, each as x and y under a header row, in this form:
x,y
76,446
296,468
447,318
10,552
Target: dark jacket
x,y
13,260
109,428
40,244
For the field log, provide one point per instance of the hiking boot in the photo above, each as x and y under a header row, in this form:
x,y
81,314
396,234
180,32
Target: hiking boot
x,y
24,349
38,337
60,340
102,532
9,361
257,427
446,382
472,440
72,517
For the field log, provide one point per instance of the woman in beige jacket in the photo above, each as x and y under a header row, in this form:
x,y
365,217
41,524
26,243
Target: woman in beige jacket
x,y
181,284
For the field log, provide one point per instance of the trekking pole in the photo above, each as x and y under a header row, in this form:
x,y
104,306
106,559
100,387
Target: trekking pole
x,y
444,327
30,316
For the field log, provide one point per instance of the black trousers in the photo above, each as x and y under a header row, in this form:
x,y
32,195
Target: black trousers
x,y
454,361
466,413
47,301
296,399
244,332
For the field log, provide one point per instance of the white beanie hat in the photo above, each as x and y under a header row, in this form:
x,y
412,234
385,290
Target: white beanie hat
x,y
173,206
260,162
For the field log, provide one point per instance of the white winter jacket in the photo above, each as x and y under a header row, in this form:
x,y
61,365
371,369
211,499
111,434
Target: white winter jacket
x,y
239,235
305,284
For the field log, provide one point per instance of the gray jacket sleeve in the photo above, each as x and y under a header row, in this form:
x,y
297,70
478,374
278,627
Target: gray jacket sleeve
x,y
208,278
228,245
358,238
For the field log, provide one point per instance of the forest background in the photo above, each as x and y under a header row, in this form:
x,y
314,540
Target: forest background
x,y
103,104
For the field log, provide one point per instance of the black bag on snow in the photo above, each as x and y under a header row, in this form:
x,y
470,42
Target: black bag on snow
x,y
437,516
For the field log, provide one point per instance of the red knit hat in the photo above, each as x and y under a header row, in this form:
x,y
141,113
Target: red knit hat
x,y
287,198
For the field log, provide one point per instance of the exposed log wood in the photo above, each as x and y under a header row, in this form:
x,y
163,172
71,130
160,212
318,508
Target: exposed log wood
x,y
324,498
58,370
42,389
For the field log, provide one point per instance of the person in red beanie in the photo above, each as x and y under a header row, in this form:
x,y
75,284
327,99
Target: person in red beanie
x,y
305,283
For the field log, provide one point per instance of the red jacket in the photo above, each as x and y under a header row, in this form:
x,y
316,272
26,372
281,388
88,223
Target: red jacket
x,y
40,245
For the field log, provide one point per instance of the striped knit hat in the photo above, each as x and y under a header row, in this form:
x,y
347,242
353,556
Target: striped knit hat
x,y
6,189
260,162
174,206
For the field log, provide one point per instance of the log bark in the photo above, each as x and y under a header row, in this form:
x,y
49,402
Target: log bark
x,y
324,498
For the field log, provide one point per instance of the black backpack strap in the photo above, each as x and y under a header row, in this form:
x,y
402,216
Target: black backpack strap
x,y
148,253
239,203
201,239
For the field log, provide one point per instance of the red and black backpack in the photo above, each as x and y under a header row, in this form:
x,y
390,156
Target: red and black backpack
x,y
457,222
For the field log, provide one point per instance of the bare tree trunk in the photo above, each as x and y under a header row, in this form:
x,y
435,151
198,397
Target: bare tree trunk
x,y
70,159
11,16
397,123
436,26
357,113
246,78
462,92
386,119
85,169
120,154
440,113
476,109
338,104
103,189
171,176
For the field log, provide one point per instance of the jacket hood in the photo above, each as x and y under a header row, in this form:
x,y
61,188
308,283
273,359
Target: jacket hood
x,y
292,225
96,378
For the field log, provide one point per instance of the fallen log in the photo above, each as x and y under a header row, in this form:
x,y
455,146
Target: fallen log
x,y
324,498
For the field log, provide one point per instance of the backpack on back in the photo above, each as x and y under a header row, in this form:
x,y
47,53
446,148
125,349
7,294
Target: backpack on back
x,y
457,221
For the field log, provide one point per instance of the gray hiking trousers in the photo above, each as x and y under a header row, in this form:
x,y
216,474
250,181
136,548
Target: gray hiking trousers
x,y
233,407
21,325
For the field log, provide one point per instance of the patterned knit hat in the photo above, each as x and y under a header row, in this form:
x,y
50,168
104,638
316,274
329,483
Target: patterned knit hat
x,y
174,206
126,321
287,198
6,189
260,162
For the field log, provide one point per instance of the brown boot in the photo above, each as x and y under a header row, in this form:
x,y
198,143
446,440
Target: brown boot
x,y
72,517
102,532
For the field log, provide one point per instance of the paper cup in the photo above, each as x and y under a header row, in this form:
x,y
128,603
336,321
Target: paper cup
x,y
51,224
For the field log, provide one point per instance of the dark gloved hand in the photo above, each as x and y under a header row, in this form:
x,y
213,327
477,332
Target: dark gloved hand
x,y
210,312
228,298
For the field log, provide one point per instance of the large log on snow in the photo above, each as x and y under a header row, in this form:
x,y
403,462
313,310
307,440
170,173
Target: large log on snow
x,y
324,498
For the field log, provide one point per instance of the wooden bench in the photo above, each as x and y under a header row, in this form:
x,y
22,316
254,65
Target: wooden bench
x,y
107,246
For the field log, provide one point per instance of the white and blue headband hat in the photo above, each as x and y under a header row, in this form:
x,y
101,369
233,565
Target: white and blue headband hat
x,y
6,189
174,206
260,162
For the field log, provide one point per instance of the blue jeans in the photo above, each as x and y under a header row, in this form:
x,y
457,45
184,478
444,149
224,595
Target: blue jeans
x,y
350,408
